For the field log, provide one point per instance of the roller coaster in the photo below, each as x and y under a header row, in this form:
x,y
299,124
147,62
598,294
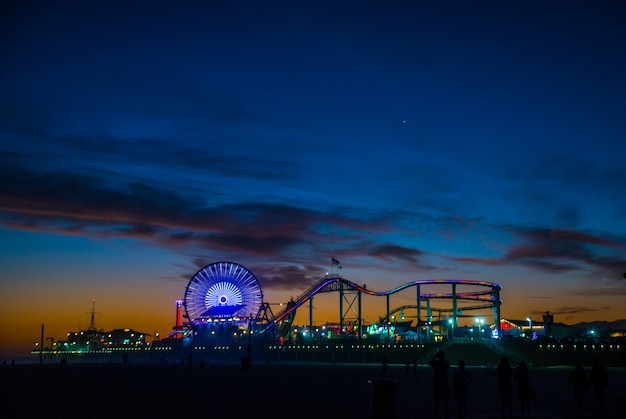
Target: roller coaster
x,y
227,294
487,297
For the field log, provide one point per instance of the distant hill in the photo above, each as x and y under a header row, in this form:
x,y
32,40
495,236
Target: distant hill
x,y
603,325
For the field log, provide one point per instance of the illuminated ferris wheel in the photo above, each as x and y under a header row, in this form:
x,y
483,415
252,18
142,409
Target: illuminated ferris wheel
x,y
222,290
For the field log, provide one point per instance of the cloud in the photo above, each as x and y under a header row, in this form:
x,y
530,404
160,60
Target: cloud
x,y
182,219
598,292
67,203
557,251
388,252
277,276
392,253
288,277
568,311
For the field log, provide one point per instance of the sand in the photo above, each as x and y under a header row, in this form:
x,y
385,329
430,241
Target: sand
x,y
279,390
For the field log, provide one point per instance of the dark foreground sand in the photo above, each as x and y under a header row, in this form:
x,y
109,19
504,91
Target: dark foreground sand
x,y
287,390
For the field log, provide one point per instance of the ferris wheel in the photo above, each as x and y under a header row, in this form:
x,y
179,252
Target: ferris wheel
x,y
222,290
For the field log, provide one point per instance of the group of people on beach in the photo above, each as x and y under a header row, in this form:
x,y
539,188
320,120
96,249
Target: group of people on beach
x,y
506,375
579,383
461,381
525,391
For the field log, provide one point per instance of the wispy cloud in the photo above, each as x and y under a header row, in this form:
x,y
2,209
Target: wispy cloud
x,y
556,251
571,312
67,203
597,292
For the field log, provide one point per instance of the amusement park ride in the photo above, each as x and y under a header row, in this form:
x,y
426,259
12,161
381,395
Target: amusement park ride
x,y
223,313
224,302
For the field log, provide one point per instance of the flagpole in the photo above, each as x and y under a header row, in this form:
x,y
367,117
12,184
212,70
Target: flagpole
x,y
335,262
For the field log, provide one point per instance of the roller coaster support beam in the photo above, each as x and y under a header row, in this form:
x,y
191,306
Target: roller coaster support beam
x,y
454,308
311,318
388,319
360,316
429,316
419,314
341,316
496,311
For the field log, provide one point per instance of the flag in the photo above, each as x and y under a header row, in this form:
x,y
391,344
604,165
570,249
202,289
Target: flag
x,y
336,263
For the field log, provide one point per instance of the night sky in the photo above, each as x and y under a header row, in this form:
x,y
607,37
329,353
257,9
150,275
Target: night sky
x,y
409,140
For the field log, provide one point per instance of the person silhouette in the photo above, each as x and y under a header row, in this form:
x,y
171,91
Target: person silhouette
x,y
599,380
461,381
578,383
441,389
525,391
504,374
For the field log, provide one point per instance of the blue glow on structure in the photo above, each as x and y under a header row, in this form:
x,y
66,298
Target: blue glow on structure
x,y
222,290
224,294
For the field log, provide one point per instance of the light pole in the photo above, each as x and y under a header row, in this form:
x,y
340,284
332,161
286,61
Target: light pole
x,y
530,327
451,322
480,332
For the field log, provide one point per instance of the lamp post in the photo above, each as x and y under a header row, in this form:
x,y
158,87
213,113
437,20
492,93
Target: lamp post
x,y
530,327
480,332
451,322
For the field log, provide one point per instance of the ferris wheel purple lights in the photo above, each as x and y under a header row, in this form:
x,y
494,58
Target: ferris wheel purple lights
x,y
222,290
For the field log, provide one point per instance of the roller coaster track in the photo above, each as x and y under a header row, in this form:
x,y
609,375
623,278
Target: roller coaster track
x,y
338,283
439,310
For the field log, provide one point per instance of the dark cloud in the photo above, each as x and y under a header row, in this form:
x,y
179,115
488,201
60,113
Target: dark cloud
x,y
96,207
67,203
578,182
563,238
88,205
569,310
276,276
250,244
556,251
289,277
121,159
597,292
388,252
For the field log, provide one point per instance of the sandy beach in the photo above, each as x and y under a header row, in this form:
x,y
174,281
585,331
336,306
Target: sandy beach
x,y
279,390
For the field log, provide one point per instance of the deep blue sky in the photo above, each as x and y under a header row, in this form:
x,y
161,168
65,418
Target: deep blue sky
x,y
410,140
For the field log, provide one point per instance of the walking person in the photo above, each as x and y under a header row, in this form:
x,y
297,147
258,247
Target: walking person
x,y
461,381
441,388
599,380
577,382
504,373
525,390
